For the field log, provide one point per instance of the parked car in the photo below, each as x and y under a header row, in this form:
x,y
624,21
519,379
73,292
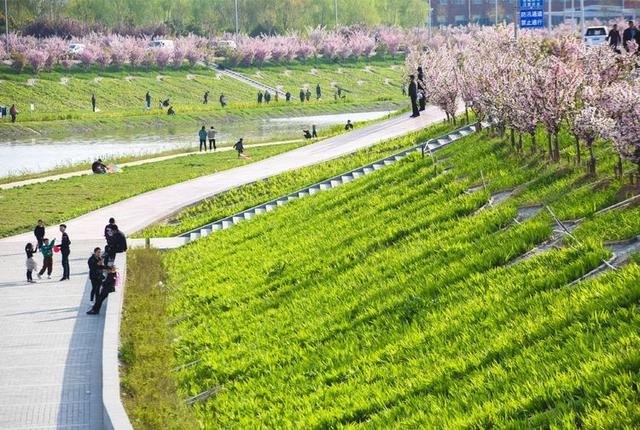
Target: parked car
x,y
595,36
75,48
227,43
161,43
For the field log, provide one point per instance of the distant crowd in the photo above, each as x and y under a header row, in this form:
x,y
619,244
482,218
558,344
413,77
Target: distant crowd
x,y
103,273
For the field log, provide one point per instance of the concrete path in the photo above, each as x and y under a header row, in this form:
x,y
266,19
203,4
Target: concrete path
x,y
133,163
50,365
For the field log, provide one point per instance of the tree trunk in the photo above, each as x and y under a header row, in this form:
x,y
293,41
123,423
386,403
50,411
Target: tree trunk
x,y
513,138
578,159
466,113
620,164
556,149
592,158
534,144
453,118
519,142
478,126
549,143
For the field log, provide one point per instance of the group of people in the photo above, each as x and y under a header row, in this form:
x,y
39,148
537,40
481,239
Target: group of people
x,y
102,270
417,93
205,135
631,33
304,95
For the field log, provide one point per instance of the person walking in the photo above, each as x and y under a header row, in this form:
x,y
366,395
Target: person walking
x,y
301,95
614,38
630,33
267,96
223,100
413,94
349,125
212,138
93,102
65,250
147,99
239,146
205,98
308,94
108,286
202,134
96,266
30,263
287,96
318,92
38,232
47,257
314,132
259,97
13,112
421,88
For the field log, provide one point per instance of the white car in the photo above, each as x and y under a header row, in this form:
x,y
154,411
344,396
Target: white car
x,y
226,43
161,43
595,36
75,48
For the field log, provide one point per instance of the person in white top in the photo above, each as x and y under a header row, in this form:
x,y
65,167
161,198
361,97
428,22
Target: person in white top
x,y
212,138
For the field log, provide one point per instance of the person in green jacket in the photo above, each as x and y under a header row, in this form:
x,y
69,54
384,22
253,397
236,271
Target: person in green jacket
x,y
203,138
47,253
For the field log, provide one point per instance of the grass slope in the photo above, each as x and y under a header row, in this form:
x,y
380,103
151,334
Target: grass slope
x,y
67,198
388,302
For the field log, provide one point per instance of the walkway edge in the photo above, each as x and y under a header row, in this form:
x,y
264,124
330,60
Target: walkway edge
x,y
114,415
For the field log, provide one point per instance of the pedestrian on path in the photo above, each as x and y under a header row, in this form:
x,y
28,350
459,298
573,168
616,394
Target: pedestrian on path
x,y
413,94
212,138
93,102
38,232
30,263
630,33
614,38
301,95
239,146
147,98
65,250
349,125
108,287
47,257
314,132
318,92
205,98
13,112
259,97
421,89
96,266
202,134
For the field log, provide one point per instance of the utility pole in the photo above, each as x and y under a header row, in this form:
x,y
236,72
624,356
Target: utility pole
x,y
237,26
549,13
496,13
516,18
582,20
6,24
429,21
335,3
469,12
573,16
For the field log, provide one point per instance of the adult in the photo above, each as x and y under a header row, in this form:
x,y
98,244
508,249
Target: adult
x,y
314,132
65,250
267,96
118,243
308,94
38,232
629,34
108,286
93,102
260,97
287,96
614,38
349,125
413,94
421,88
205,98
306,134
147,98
318,92
98,167
164,103
301,95
276,98
223,100
47,257
96,266
109,229
239,146
13,112
211,134
170,111
202,134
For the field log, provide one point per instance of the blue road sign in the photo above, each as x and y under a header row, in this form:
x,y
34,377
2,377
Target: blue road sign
x,y
531,13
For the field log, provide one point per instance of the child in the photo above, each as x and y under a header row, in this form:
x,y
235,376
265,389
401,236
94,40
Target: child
x,y
239,146
31,263
47,254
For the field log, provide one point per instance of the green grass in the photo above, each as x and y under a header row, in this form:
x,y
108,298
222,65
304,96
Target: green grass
x,y
388,303
60,200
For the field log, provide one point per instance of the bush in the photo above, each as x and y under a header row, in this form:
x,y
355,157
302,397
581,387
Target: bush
x,y
18,60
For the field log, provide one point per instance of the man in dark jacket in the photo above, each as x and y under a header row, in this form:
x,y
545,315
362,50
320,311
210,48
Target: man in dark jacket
x,y
318,92
413,94
147,98
38,232
301,95
65,250
93,102
116,243
108,287
96,265
421,88
110,228
629,34
614,38
259,97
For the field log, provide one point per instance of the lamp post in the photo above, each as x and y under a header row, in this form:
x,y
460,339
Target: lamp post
x,y
335,4
582,19
6,25
429,20
496,13
237,26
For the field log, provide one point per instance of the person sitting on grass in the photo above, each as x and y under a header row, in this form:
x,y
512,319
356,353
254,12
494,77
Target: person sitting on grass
x,y
349,125
170,111
98,168
307,134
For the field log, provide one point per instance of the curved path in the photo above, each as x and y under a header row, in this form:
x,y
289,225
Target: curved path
x,y
51,352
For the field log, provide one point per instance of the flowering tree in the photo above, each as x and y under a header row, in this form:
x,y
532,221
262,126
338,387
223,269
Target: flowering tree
x,y
162,57
36,58
624,110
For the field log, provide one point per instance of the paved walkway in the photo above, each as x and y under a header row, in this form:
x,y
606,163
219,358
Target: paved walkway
x,y
50,365
133,163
